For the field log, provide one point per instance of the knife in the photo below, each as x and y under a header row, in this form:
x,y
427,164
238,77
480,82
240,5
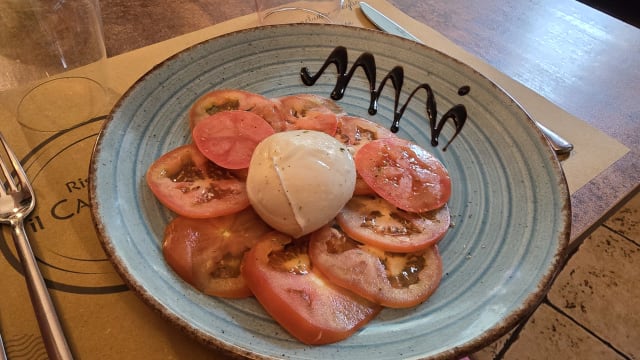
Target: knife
x,y
559,145
384,23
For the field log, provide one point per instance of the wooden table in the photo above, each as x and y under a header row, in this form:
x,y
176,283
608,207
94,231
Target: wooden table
x,y
578,58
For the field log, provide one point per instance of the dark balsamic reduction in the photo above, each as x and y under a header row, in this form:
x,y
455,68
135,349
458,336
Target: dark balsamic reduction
x,y
366,61
464,90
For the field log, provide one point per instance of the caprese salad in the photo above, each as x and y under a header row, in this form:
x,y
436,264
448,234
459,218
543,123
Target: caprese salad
x,y
378,250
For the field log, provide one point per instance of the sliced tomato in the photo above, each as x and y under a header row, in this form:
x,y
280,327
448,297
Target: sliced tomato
x,y
310,112
299,298
375,221
207,253
228,138
396,280
227,99
355,131
404,174
190,185
362,188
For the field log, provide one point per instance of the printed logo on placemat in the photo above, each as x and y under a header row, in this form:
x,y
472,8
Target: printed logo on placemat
x,y
60,229
25,346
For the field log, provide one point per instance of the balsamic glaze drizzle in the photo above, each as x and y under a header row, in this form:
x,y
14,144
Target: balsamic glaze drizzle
x,y
366,61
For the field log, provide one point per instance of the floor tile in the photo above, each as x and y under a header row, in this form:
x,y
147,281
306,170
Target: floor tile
x,y
550,335
599,289
490,352
627,220
590,312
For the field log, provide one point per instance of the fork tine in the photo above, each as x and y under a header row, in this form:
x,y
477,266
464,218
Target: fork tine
x,y
5,171
13,187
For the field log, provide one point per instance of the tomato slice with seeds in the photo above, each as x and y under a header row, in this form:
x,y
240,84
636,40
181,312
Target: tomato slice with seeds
x,y
228,138
362,188
310,112
374,221
207,253
355,131
312,309
397,280
228,99
404,174
191,185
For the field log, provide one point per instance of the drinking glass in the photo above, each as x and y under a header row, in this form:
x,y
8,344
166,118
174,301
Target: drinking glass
x,y
52,55
288,11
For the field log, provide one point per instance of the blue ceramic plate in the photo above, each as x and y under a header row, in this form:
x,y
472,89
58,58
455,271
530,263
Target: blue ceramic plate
x,y
509,203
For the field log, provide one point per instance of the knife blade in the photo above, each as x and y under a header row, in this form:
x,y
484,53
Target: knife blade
x,y
385,24
559,145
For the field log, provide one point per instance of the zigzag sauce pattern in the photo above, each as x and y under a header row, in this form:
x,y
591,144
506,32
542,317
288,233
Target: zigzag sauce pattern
x,y
366,61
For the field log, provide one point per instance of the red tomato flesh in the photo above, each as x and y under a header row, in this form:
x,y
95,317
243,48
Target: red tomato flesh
x,y
228,99
355,131
404,174
309,112
228,138
362,188
207,253
299,298
397,280
375,221
190,185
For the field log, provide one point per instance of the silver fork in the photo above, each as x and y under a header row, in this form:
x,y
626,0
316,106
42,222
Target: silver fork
x,y
17,200
3,355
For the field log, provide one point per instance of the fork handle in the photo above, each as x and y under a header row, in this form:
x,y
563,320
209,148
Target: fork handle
x,y
52,334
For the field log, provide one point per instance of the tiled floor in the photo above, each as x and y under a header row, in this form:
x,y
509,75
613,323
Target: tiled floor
x,y
593,308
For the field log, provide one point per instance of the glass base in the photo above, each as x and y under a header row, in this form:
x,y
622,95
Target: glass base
x,y
62,103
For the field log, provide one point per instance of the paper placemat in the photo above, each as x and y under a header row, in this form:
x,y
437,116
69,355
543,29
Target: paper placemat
x,y
102,319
